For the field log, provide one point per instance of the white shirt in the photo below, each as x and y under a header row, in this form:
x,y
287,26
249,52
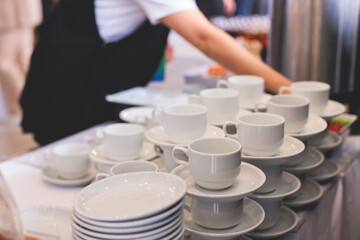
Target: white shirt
x,y
117,19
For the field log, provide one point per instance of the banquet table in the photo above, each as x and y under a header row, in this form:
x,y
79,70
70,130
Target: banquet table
x,y
335,216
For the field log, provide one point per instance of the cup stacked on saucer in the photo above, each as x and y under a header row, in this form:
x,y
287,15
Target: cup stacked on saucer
x,y
266,146
179,124
217,185
119,142
139,205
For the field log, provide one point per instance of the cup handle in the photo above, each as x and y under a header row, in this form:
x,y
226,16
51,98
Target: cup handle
x,y
195,99
283,89
176,158
225,129
49,159
222,84
90,140
257,106
101,176
157,115
158,150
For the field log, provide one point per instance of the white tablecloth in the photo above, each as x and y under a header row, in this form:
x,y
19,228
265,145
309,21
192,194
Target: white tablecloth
x,y
336,216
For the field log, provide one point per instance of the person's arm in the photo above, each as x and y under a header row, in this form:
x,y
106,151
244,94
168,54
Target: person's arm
x,y
218,45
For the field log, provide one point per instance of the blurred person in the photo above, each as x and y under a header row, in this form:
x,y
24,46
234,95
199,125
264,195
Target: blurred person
x,y
92,48
18,18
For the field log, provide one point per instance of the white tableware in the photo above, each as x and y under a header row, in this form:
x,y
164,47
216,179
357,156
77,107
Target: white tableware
x,y
316,92
250,88
214,163
48,220
139,115
249,179
307,160
126,230
123,141
309,192
69,160
97,154
294,109
129,196
251,217
271,202
260,134
332,110
273,178
313,127
95,138
182,123
291,147
137,223
222,104
128,167
48,175
194,236
151,234
286,222
329,141
327,170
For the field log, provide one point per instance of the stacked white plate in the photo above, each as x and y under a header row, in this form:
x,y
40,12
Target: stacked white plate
x,y
139,205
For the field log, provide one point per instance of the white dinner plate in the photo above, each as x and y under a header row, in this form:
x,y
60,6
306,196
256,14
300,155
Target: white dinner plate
x,y
249,180
290,148
330,141
251,217
97,154
48,220
138,223
332,110
48,175
157,135
286,222
129,196
288,185
327,170
139,115
309,159
309,192
314,126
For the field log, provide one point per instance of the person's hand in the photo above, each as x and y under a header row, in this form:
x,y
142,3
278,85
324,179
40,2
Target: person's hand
x,y
229,7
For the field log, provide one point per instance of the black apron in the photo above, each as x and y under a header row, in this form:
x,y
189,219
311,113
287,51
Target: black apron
x,y
72,70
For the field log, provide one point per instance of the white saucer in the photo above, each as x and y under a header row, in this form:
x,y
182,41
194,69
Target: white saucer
x,y
290,148
309,192
249,180
286,222
97,154
314,126
157,135
332,109
329,142
288,185
48,220
327,170
264,99
48,175
310,159
138,115
251,218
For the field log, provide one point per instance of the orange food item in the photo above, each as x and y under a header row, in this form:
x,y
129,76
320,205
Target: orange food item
x,y
217,71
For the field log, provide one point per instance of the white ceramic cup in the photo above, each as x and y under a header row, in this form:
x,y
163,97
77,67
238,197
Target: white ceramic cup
x,y
316,92
222,104
123,141
250,88
272,212
69,160
216,214
273,178
260,134
167,158
182,123
293,108
128,167
214,163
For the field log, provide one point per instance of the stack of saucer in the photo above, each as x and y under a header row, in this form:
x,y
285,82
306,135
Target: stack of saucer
x,y
140,205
